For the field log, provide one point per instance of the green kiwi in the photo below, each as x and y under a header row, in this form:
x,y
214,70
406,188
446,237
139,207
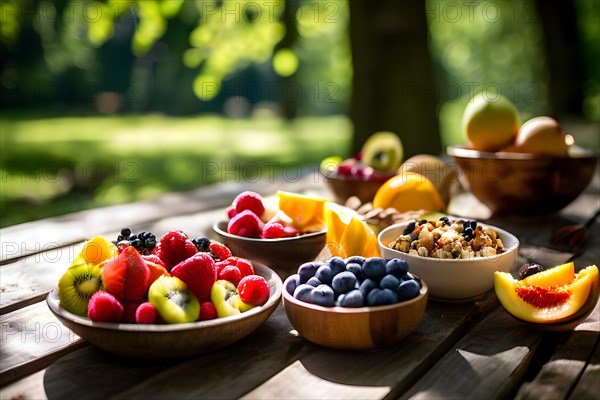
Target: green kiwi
x,y
77,286
173,301
383,151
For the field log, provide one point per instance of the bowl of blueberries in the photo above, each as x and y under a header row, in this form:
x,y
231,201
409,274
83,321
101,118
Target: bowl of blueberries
x,y
456,257
355,303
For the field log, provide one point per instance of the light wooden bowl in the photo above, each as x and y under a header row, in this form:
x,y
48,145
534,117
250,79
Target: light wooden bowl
x,y
342,187
355,328
282,255
171,340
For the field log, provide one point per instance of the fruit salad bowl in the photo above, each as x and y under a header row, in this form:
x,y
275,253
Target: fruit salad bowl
x,y
171,340
343,187
524,183
282,255
454,280
360,328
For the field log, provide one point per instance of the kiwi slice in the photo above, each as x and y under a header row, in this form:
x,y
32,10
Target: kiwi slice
x,y
77,285
383,151
173,300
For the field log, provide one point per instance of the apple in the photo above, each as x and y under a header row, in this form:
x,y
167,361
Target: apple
x,y
226,299
490,124
542,135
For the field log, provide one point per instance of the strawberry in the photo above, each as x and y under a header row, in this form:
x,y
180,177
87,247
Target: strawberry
x,y
221,251
245,224
146,314
245,266
126,275
254,290
174,247
155,259
104,307
207,311
249,201
198,272
231,273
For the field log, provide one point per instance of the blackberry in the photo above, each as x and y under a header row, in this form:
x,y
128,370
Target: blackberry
x,y
202,244
144,242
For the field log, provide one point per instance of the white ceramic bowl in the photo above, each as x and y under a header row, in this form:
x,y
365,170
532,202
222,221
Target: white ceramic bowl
x,y
171,340
454,279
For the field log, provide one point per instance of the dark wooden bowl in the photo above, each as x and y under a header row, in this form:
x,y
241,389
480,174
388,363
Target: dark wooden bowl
x,y
518,183
342,188
282,255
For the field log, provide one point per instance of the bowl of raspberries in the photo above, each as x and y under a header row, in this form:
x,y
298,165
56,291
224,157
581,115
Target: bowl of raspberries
x,y
355,303
260,230
174,297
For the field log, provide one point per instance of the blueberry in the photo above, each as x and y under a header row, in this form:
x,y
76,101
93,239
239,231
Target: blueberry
x,y
137,243
376,297
407,277
125,232
390,282
322,295
302,292
473,224
344,282
353,298
355,269
202,243
409,228
355,259
308,270
468,233
408,290
445,220
314,282
367,286
374,268
389,296
396,267
132,237
423,222
324,274
142,235
337,265
292,283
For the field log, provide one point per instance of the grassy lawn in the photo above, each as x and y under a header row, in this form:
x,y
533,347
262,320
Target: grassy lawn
x,y
55,165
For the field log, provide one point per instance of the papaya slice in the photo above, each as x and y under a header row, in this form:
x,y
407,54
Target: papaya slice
x,y
306,212
547,298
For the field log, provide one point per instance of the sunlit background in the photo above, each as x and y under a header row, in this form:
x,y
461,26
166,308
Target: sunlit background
x,y
104,102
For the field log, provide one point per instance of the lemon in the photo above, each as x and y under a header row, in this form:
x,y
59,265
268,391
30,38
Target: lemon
x,y
347,234
306,212
409,191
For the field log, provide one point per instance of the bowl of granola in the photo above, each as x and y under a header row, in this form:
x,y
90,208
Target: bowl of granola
x,y
456,257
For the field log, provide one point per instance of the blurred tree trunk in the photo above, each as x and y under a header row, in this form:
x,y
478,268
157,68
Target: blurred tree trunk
x,y
563,57
289,108
393,85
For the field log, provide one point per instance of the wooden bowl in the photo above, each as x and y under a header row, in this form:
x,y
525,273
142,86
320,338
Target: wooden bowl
x,y
355,328
454,280
524,183
171,340
282,255
342,188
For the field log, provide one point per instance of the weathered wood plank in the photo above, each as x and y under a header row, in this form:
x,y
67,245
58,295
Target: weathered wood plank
x,y
32,338
588,386
31,387
488,362
33,237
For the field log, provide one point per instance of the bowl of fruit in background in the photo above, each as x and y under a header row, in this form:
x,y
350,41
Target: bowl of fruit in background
x,y
355,304
142,306
363,175
281,233
532,168
467,254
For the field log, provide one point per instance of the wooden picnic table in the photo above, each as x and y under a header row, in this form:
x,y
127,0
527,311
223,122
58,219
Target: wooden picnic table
x,y
470,350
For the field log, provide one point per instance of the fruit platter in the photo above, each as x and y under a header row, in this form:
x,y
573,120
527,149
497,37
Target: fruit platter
x,y
175,297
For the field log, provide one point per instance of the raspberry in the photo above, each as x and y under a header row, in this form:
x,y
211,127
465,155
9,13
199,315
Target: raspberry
x,y
245,266
146,314
231,273
290,231
104,307
221,251
249,201
253,290
174,247
245,224
273,231
207,311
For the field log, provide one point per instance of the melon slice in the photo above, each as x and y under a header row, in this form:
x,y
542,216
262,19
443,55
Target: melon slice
x,y
546,299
